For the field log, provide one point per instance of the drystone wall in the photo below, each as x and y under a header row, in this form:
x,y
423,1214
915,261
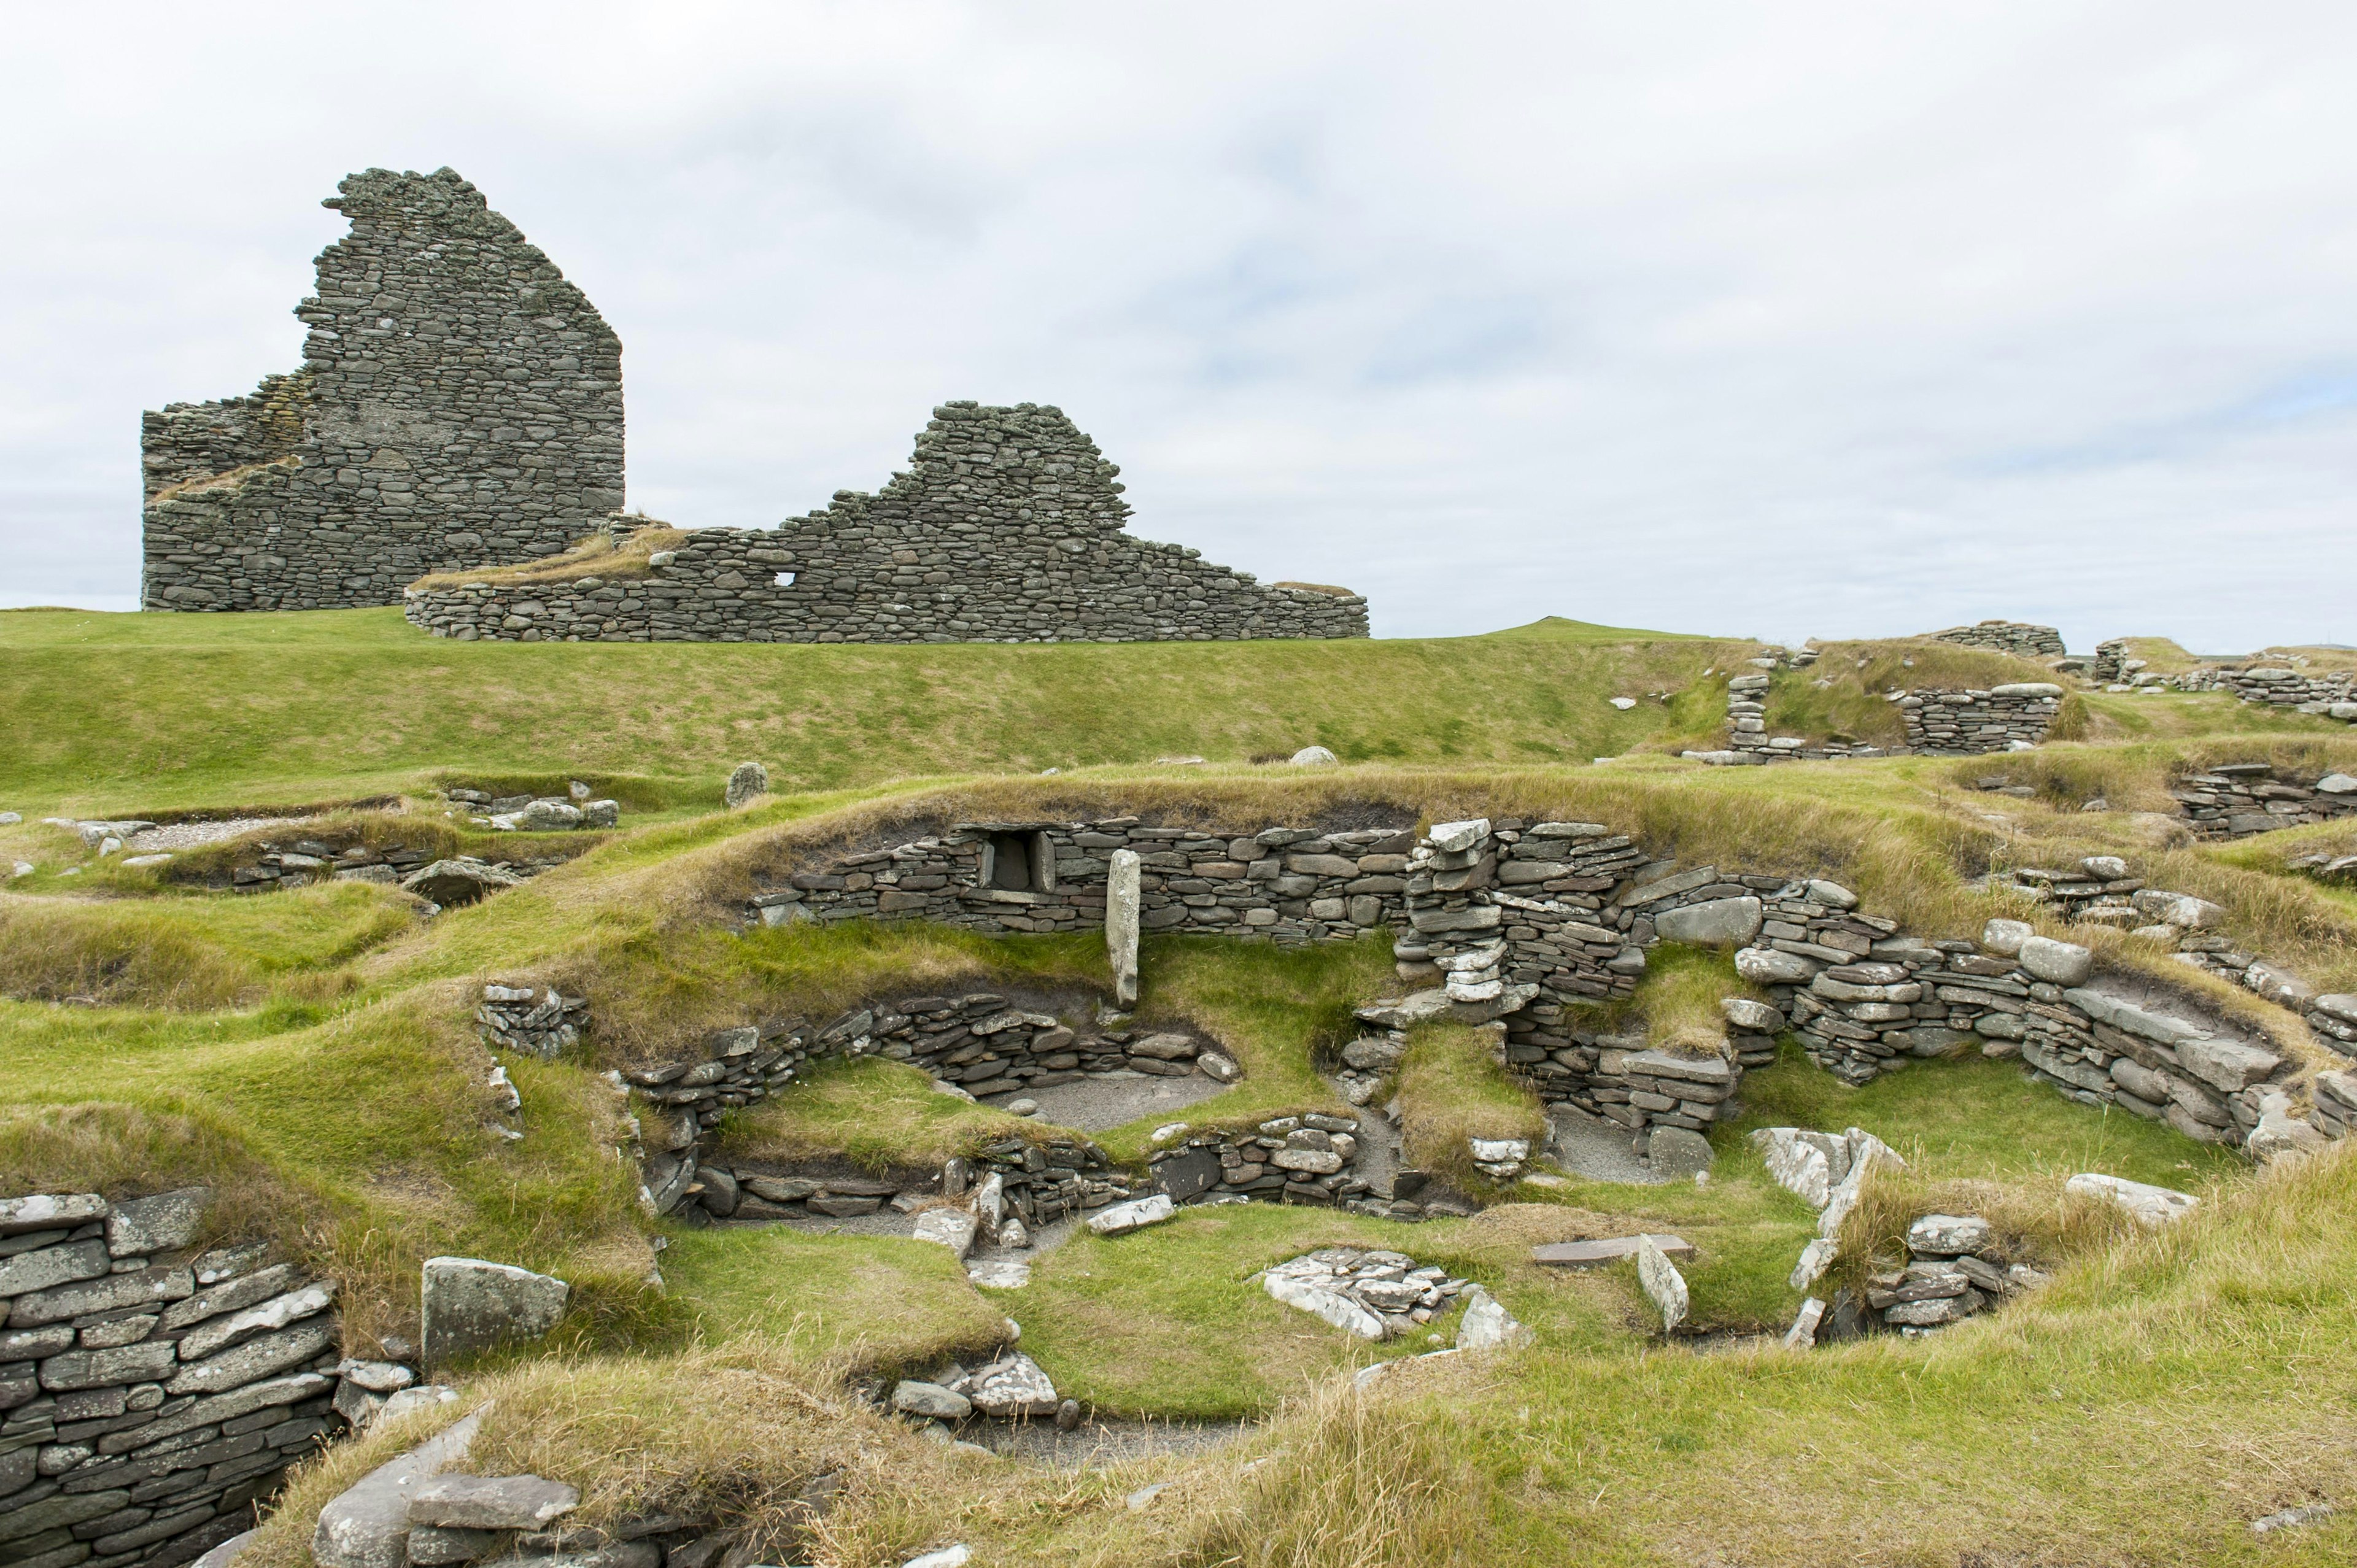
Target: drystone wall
x,y
1281,885
459,403
2021,639
2011,717
2237,799
152,1397
1006,528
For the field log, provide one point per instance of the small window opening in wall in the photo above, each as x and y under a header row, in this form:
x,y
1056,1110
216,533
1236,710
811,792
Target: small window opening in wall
x,y
1006,863
785,579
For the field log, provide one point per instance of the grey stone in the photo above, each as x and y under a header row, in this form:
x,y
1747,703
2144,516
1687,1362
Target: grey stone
x,y
470,1305
1455,838
747,782
2227,1065
457,882
1124,902
50,1213
1313,757
227,1551
254,1360
219,1333
1332,1306
1767,966
1121,1219
1611,1249
47,1267
1013,1386
1663,1285
2149,1205
101,1369
2058,964
1486,1326
1756,1016
367,1526
164,1223
1803,1334
431,1546
930,1400
1946,1235
1678,1153
952,1227
2004,938
1717,923
490,1502
548,816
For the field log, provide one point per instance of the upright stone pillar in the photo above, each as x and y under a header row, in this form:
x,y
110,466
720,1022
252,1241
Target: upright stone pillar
x,y
1123,896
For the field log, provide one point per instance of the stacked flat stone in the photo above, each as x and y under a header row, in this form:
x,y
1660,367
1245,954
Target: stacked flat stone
x,y
2237,799
2329,695
1308,1157
459,405
1288,885
2012,717
2112,662
298,862
536,1020
2335,1115
1376,1294
1006,528
1040,1183
1748,740
1956,1269
2023,639
151,1398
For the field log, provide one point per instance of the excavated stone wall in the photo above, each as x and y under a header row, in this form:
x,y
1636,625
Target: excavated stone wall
x,y
459,403
2023,639
1006,528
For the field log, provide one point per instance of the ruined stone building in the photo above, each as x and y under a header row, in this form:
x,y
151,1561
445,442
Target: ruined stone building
x,y
458,404
1005,527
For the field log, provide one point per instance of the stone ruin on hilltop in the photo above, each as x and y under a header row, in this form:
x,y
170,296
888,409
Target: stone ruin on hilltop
x,y
458,402
460,409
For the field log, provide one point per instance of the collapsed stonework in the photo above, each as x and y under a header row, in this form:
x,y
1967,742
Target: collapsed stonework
x,y
2022,639
459,402
1005,527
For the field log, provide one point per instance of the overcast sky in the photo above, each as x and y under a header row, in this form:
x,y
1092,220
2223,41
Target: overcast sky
x,y
1794,320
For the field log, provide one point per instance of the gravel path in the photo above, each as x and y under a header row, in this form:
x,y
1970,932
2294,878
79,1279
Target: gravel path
x,y
190,835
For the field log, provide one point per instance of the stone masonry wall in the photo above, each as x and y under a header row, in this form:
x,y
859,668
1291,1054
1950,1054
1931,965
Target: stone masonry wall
x,y
1966,724
2019,638
2236,799
1008,528
1284,884
459,403
151,1397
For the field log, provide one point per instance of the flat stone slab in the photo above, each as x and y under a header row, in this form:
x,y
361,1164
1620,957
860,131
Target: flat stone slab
x,y
490,1502
1611,1250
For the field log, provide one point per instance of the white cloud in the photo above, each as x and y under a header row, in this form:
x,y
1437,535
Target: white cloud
x,y
1807,319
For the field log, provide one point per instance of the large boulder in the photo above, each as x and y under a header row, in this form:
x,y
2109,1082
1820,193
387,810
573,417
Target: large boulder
x,y
470,1305
1676,1152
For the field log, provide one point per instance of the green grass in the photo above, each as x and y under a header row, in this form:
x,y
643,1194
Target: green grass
x,y
880,1300
147,712
1451,1087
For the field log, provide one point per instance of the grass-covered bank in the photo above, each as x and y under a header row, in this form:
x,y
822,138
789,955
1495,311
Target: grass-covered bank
x,y
147,712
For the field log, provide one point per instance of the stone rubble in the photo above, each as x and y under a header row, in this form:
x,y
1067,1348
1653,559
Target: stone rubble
x,y
1955,1269
2023,639
1378,1295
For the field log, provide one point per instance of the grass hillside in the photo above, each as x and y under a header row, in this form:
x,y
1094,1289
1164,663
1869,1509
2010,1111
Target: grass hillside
x,y
312,1055
149,711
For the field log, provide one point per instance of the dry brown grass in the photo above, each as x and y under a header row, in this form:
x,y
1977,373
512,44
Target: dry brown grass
x,y
599,555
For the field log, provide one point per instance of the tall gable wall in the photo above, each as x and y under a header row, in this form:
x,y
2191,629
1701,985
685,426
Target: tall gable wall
x,y
1005,527
459,403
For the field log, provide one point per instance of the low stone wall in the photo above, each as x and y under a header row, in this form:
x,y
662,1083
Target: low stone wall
x,y
152,1397
2022,639
1968,723
1306,1159
1005,527
2330,694
2237,799
1282,884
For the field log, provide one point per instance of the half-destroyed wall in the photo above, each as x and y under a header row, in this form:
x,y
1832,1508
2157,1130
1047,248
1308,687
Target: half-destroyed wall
x,y
459,403
1006,528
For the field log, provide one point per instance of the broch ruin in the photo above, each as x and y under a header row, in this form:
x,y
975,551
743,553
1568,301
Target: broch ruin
x,y
459,402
